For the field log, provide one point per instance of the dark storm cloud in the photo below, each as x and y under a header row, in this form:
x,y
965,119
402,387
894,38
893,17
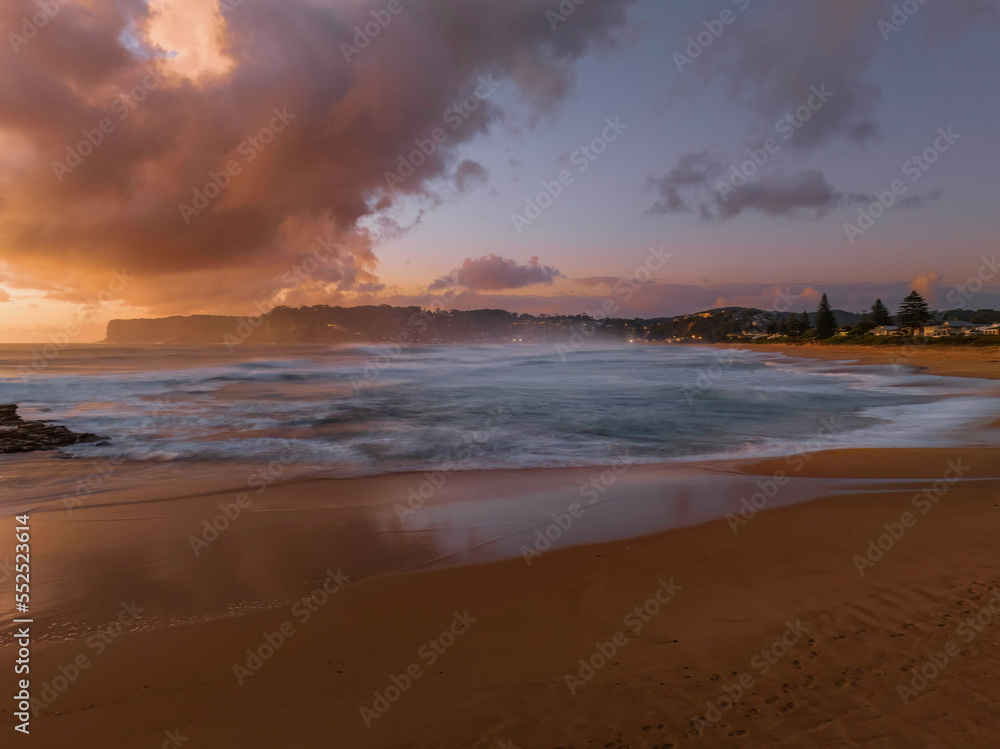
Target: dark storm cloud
x,y
346,123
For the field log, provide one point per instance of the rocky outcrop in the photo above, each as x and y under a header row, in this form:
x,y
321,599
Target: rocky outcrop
x,y
20,436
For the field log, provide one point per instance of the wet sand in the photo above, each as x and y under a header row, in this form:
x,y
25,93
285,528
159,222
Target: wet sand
x,y
853,639
949,361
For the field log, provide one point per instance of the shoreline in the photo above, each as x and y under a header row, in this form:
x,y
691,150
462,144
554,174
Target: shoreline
x,y
967,361
476,518
804,597
739,590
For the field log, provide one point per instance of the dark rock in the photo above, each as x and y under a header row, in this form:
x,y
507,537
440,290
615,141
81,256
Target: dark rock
x,y
20,436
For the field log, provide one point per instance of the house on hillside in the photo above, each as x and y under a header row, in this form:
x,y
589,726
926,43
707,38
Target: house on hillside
x,y
993,329
949,328
887,330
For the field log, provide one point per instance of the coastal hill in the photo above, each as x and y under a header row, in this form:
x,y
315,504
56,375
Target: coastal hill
x,y
366,324
324,324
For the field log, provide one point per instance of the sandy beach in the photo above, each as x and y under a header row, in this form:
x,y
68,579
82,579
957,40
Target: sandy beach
x,y
867,618
853,640
379,374
949,361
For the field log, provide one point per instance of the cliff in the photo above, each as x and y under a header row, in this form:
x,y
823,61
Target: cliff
x,y
193,329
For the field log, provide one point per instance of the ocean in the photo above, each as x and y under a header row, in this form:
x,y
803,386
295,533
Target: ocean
x,y
202,444
359,410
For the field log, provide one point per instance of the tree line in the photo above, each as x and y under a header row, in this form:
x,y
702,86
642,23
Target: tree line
x,y
913,313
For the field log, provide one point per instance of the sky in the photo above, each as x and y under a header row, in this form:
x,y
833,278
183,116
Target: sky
x,y
186,157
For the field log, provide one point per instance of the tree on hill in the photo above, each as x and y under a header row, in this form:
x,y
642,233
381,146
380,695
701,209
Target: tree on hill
x,y
913,311
826,321
772,326
804,324
880,314
865,324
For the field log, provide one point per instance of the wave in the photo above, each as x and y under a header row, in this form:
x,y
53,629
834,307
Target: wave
x,y
371,409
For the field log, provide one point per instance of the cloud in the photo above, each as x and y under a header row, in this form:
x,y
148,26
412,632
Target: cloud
x,y
595,281
470,174
769,61
805,193
944,23
698,183
205,89
494,273
927,286
916,202
693,170
693,185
